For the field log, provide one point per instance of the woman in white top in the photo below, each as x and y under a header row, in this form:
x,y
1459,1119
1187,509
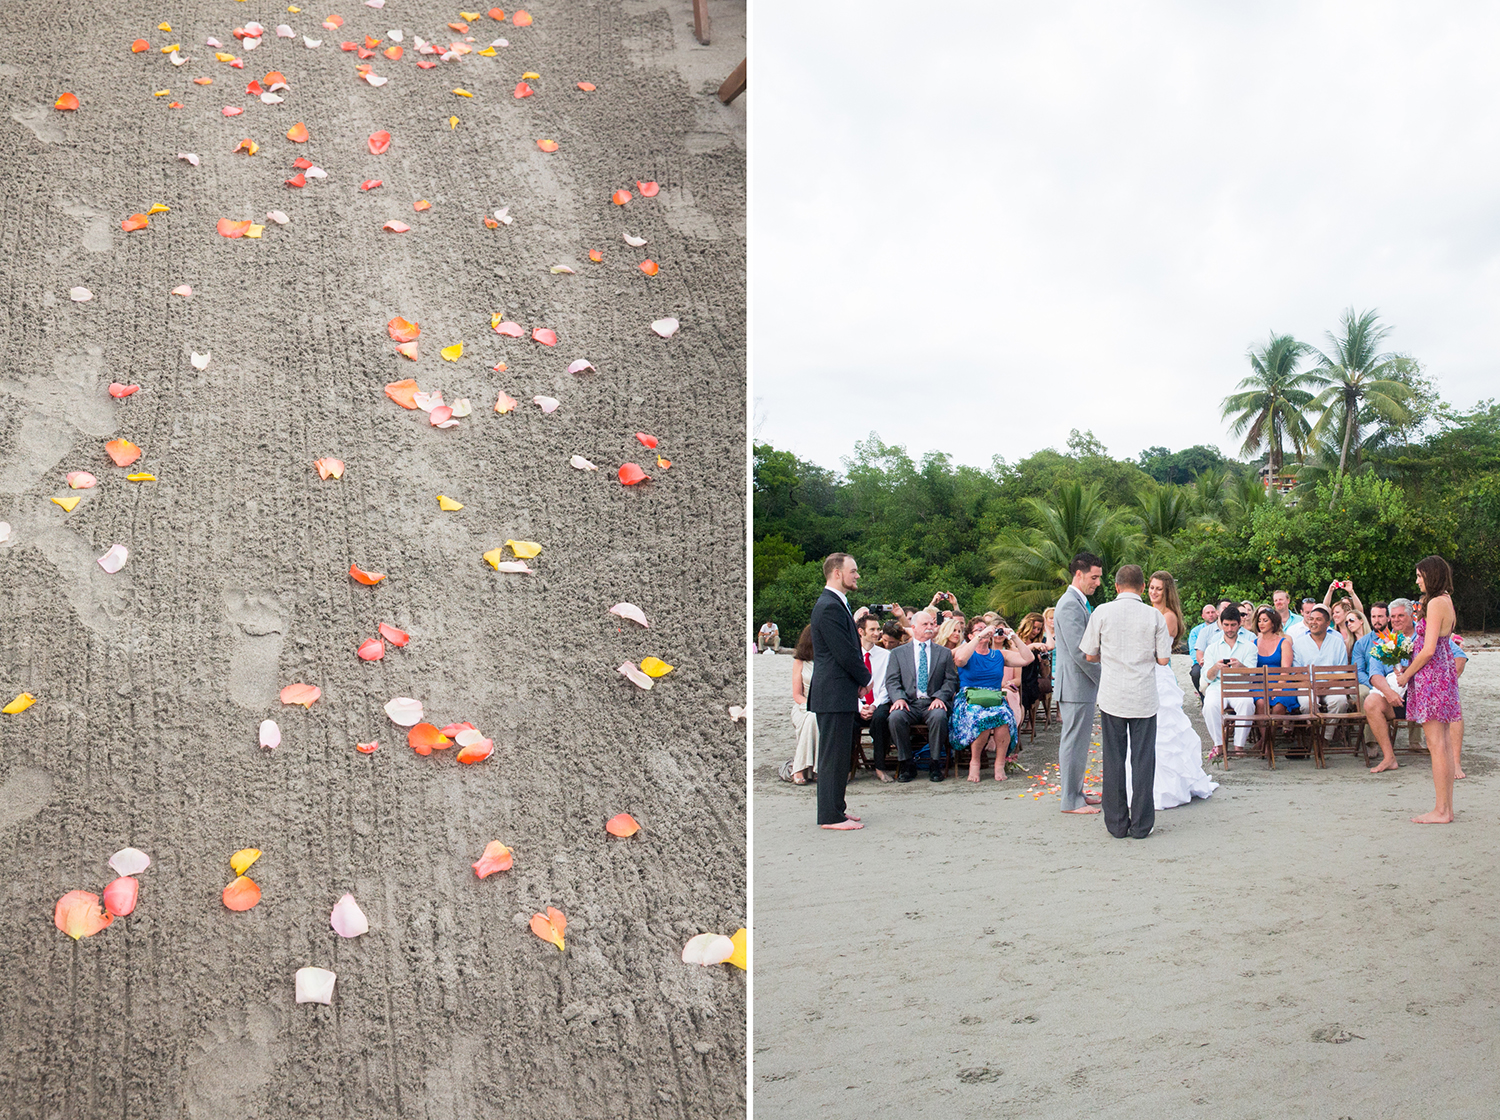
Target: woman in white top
x,y
804,764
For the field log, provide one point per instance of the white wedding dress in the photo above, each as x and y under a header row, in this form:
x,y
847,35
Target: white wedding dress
x,y
1179,752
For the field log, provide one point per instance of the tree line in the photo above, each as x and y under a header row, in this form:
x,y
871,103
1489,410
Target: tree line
x,y
1375,471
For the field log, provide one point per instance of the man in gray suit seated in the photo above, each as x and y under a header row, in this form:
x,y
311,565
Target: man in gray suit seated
x,y
1077,683
921,681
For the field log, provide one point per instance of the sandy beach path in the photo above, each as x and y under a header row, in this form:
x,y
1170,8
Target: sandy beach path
x,y
1291,946
151,682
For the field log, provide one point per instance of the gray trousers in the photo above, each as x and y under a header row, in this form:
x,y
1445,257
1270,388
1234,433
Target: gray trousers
x,y
1073,751
1138,735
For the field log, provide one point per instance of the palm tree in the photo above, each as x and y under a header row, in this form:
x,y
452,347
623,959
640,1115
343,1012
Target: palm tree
x,y
1208,490
1031,564
1268,409
1355,378
1164,511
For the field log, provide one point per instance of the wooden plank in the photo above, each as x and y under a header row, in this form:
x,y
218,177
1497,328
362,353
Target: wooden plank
x,y
734,85
700,21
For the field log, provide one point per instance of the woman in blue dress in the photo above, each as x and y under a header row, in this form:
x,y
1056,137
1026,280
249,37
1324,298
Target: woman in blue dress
x,y
1273,648
983,667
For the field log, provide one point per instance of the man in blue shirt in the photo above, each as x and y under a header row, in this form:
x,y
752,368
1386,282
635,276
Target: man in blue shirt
x,y
1210,616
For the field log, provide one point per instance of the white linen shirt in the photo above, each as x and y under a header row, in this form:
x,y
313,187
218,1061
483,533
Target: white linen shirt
x,y
1305,651
879,659
1129,637
1294,625
1243,649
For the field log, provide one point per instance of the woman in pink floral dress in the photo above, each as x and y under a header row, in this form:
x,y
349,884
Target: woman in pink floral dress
x,y
1432,695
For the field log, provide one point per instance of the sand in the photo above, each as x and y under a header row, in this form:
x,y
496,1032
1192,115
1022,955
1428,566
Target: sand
x,y
1291,946
151,682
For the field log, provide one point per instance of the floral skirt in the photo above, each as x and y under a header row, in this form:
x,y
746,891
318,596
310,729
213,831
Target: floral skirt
x,y
967,723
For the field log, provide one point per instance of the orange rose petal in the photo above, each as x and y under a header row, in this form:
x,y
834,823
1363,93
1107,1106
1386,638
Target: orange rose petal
x,y
423,737
329,468
372,650
408,350
595,255
421,204
545,335
366,748
297,134
67,103
622,825
228,228
648,190
77,914
547,145
477,752
403,392
140,45
392,635
241,894
620,198
550,926
402,330
497,14
122,451
497,857
522,90
521,19
369,579
379,142
587,87
393,52
649,267
630,474
304,694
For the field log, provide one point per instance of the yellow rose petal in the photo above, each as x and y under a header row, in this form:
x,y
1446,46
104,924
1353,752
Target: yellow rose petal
x,y
447,503
530,76
254,230
452,353
494,556
159,208
173,47
164,27
525,549
470,16
463,93
740,957
655,667
222,57
452,123
19,704
243,858
69,502
488,52
141,477
161,93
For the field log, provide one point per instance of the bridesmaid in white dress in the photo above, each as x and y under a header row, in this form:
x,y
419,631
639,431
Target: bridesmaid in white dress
x,y
805,760
1179,752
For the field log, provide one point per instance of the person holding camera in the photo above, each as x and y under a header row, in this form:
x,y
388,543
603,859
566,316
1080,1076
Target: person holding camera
x,y
981,712
1231,647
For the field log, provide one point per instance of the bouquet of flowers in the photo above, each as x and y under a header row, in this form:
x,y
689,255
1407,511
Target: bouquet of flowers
x,y
1391,648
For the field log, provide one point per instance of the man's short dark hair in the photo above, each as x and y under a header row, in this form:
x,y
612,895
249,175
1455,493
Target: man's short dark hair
x,y
1083,562
1381,606
1131,577
891,628
1225,603
868,618
834,562
1322,610
1231,613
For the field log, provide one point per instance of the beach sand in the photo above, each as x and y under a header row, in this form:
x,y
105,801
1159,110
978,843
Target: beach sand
x,y
1291,946
151,682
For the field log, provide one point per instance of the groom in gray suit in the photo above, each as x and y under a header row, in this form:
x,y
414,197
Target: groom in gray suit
x,y
1077,682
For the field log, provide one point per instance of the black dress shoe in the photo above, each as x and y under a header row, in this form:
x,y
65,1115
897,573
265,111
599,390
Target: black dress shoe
x,y
905,774
935,774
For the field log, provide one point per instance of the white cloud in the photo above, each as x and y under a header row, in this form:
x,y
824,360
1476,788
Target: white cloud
x,y
978,225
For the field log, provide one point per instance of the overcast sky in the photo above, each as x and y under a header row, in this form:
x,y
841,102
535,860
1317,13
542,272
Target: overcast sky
x,y
975,226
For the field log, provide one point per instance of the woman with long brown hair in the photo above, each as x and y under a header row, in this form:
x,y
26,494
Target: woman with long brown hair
x,y
1432,680
1179,752
804,763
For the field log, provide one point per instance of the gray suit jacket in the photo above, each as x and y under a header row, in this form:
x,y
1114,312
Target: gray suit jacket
x,y
901,675
1077,680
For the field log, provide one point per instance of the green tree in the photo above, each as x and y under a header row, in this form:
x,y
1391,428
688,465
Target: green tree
x,y
1031,564
1269,406
771,555
1163,512
1355,376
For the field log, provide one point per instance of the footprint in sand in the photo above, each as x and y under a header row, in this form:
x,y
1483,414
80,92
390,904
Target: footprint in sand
x,y
233,1064
259,625
24,794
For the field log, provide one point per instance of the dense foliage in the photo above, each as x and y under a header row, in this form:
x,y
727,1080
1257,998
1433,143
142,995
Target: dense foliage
x,y
1001,536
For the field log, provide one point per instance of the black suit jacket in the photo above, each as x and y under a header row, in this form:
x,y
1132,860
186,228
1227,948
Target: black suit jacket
x,y
901,674
839,673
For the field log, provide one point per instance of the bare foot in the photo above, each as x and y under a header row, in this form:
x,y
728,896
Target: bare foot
x,y
1084,809
1000,772
848,816
1459,775
1092,799
883,776
843,826
973,773
1433,817
1387,764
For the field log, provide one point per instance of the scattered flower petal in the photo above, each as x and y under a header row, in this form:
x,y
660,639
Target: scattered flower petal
x,y
587,87
134,222
228,228
655,667
665,327
403,392
329,468
509,330
550,926
630,474
392,635
82,480
347,919
122,451
562,270
120,392
297,134
113,560
581,365
183,290
635,675
424,738
578,462
141,476
129,861
278,217
462,407
20,703
648,190
200,361
242,894
78,915
623,825
547,145
630,611
620,198
707,949
477,751
68,503
505,403
304,694
80,295
421,204
403,331
371,184
637,242
522,90
502,215
396,227
523,19
408,350
448,504
243,859
359,575
66,103
736,713
315,985
366,748
525,549
404,711
740,958
442,417
497,857
270,734
452,353
546,404
371,650
649,440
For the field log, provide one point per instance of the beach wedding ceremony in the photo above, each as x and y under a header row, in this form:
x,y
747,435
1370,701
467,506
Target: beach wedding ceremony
x,y
1126,564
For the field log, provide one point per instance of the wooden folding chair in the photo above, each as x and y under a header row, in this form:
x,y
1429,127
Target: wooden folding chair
x,y
1296,682
1244,684
1329,681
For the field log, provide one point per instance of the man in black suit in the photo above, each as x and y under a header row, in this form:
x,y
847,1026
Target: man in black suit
x,y
921,681
839,676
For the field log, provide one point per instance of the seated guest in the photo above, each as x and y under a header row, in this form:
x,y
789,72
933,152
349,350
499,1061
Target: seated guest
x,y
1298,629
921,679
1320,646
804,762
1229,648
1195,670
1291,624
1247,612
768,637
1274,648
950,633
1355,627
1385,702
1208,632
982,668
1359,654
892,634
1036,678
874,703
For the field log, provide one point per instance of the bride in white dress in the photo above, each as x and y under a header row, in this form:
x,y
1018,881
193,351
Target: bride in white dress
x,y
1179,752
